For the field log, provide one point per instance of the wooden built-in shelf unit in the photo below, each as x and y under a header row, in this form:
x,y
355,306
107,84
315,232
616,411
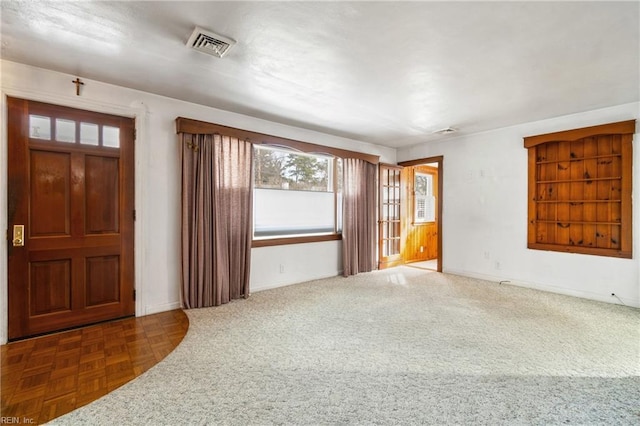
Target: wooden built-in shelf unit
x,y
580,190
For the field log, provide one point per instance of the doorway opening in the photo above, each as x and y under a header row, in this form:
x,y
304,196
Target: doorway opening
x,y
421,218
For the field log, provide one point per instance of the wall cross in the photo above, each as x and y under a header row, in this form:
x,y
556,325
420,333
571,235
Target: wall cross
x,y
78,83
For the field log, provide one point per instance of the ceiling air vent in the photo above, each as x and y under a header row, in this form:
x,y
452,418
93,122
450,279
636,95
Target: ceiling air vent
x,y
210,43
446,131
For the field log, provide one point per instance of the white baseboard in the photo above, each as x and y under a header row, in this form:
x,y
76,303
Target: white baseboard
x,y
156,309
549,288
271,286
264,287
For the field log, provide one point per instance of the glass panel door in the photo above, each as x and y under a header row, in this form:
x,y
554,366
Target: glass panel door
x,y
389,223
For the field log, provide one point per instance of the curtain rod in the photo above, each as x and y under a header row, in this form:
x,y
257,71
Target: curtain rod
x,y
188,125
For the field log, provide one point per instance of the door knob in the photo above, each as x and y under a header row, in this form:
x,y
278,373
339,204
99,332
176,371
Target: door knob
x,y
18,235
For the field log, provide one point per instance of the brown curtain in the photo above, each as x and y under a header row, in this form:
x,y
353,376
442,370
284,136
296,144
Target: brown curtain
x,y
216,219
358,216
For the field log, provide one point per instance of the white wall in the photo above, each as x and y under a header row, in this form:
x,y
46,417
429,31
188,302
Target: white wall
x,y
485,213
158,183
278,266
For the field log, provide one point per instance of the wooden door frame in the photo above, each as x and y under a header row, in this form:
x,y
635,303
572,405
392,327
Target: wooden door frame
x,y
139,112
440,161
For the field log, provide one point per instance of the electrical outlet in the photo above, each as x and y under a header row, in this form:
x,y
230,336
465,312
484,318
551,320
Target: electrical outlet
x,y
421,249
497,264
487,255
281,268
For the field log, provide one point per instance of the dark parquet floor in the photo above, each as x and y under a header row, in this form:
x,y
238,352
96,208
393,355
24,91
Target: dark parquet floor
x,y
48,376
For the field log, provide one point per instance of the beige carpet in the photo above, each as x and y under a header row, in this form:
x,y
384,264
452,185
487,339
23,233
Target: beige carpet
x,y
401,346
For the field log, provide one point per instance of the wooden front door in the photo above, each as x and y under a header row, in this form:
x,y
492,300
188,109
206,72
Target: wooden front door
x,y
70,185
389,229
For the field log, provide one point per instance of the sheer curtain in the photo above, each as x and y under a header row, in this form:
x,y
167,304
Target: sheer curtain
x,y
358,216
216,219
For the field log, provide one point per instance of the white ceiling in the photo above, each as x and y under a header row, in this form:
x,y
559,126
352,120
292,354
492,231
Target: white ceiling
x,y
390,73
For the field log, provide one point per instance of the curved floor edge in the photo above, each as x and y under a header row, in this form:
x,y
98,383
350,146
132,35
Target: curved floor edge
x,y
45,377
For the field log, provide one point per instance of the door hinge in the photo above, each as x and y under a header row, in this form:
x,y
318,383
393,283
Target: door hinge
x,y
134,295
134,214
135,133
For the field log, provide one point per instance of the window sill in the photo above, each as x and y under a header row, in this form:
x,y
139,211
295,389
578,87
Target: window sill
x,y
268,242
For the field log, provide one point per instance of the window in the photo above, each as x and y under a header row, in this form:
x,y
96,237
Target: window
x,y
66,130
307,211
295,193
425,201
580,190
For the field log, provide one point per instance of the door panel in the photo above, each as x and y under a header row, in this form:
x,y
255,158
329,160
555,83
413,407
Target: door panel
x,y
71,185
50,176
50,286
101,186
389,224
103,280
